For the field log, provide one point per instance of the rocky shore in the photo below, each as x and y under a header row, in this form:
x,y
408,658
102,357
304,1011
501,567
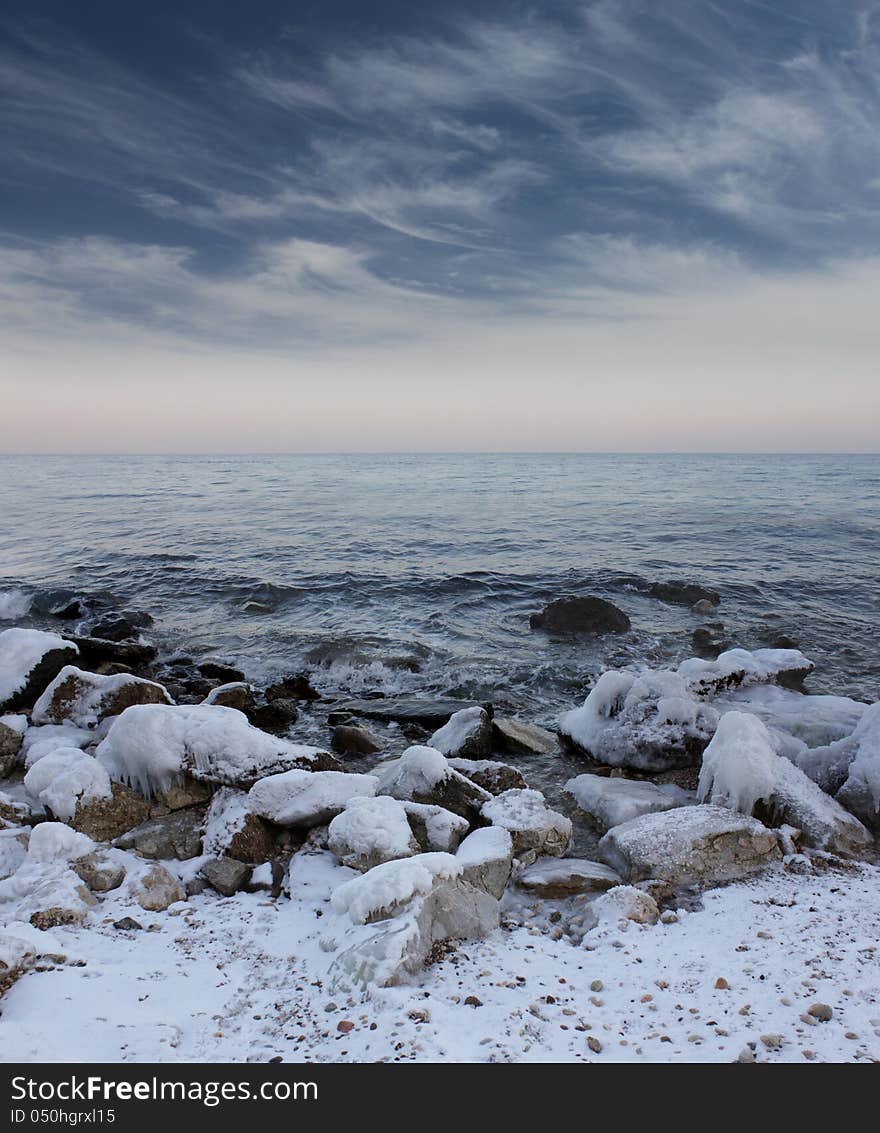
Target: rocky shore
x,y
136,785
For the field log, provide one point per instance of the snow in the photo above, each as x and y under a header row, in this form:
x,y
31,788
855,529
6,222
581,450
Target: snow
x,y
94,692
418,771
307,798
485,845
862,784
741,769
65,778
371,829
382,891
150,746
14,604
16,721
456,732
611,801
13,848
53,842
20,651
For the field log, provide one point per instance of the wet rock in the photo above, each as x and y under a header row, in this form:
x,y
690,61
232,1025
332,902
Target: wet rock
x,y
294,687
176,835
524,739
226,875
679,593
103,820
709,640
407,710
690,845
99,872
96,651
582,615
235,694
467,733
123,626
348,739
86,698
533,826
157,889
491,776
276,716
566,877
30,659
217,671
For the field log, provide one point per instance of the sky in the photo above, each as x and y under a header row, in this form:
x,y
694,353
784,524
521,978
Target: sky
x,y
614,225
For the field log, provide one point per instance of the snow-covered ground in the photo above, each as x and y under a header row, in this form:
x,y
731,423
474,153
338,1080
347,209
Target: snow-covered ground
x,y
245,978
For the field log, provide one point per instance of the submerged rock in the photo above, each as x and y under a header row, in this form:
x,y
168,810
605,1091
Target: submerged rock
x,y
683,593
349,739
582,615
407,710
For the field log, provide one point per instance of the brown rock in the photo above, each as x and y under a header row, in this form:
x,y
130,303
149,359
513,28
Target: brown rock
x,y
349,739
106,819
98,872
158,889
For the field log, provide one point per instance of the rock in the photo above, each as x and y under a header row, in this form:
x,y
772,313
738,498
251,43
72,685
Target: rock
x,y
407,710
295,687
741,770
13,850
524,739
217,671
690,845
276,716
859,755
739,668
99,872
566,877
423,775
122,626
128,924
371,831
491,776
307,798
10,744
467,733
703,607
609,800
106,819
226,875
234,831
235,694
20,812
29,659
59,900
680,593
534,827
821,1011
348,739
185,793
96,651
486,859
621,903
434,905
435,828
157,889
17,956
709,640
582,615
176,835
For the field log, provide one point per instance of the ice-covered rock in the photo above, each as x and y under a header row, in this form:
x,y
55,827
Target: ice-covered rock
x,y
434,827
650,721
534,827
566,877
424,775
524,739
85,698
738,668
860,791
611,800
399,911
795,721
370,831
66,778
467,733
29,659
489,774
696,844
307,798
152,746
486,859
742,771
232,830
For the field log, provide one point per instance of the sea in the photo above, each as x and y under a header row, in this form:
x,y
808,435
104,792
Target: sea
x,y
387,574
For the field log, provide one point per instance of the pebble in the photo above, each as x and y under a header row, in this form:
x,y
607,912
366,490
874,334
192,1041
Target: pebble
x,y
722,984
596,985
821,1011
772,1042
594,1044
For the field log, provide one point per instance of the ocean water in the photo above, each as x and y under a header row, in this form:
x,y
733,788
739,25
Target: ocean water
x,y
418,573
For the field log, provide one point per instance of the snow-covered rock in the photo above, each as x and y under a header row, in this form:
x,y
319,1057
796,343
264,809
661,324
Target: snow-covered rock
x,y
486,859
157,889
695,844
534,827
621,903
566,877
152,746
398,912
467,733
434,827
860,791
66,778
611,800
232,830
38,742
423,775
650,721
371,831
307,798
13,848
742,771
12,729
54,842
85,698
738,668
489,774
29,659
